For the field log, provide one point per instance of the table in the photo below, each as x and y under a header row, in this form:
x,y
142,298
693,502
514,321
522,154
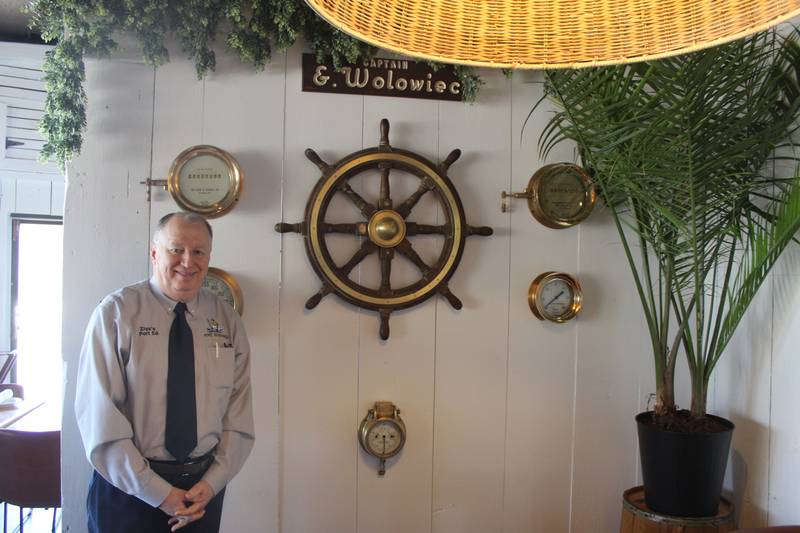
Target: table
x,y
9,417
47,417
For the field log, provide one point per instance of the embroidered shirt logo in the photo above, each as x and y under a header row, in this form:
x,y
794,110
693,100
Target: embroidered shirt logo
x,y
147,331
214,328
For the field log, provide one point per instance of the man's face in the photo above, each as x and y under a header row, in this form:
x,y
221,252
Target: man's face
x,y
180,256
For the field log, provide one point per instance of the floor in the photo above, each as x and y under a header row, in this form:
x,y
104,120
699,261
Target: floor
x,y
38,521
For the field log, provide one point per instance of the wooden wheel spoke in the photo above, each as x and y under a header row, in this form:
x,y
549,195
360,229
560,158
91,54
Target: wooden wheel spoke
x,y
366,208
386,195
349,228
405,208
412,228
408,251
367,247
386,257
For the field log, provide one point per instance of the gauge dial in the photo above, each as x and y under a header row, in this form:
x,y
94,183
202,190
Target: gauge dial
x,y
226,287
555,297
384,438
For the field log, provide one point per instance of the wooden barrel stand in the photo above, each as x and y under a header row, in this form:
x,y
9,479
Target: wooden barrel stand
x,y
638,518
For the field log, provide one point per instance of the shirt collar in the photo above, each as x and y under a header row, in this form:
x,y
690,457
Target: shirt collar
x,y
168,303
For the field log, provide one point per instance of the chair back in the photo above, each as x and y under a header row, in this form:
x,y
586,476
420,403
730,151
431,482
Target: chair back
x,y
773,529
30,468
16,389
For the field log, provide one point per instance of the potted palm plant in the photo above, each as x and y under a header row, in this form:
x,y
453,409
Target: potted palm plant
x,y
690,156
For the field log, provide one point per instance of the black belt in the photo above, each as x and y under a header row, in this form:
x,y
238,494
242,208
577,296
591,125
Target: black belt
x,y
190,467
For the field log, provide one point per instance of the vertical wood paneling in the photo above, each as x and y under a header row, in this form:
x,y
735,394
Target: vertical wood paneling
x,y
105,232
471,356
541,355
33,197
784,437
742,394
611,348
177,125
250,126
400,369
318,348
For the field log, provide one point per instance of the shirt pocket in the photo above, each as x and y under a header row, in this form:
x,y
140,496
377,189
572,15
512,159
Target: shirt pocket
x,y
220,363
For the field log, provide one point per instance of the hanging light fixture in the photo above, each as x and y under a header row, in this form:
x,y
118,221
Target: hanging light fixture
x,y
536,34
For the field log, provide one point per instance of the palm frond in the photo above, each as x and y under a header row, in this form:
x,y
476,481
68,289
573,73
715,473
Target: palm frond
x,y
681,150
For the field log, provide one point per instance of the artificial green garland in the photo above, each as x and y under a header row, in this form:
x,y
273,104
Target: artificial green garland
x,y
252,28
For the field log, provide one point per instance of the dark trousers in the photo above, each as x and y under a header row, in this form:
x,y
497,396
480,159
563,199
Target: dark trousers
x,y
110,510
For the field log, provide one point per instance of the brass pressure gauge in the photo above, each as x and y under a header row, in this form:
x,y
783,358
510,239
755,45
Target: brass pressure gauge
x,y
555,296
382,433
226,287
559,195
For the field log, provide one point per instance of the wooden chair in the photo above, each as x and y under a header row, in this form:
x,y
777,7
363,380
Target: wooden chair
x,y
30,463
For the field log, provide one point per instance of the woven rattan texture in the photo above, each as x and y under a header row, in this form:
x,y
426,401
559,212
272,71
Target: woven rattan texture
x,y
550,33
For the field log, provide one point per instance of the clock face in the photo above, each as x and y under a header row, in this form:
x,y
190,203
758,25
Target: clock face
x,y
384,438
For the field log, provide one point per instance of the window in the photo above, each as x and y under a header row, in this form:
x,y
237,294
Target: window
x,y
36,276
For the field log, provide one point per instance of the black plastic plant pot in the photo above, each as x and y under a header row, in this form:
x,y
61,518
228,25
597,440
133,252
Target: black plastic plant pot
x,y
683,472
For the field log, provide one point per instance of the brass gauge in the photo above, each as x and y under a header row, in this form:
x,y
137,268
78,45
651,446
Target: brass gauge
x,y
555,296
206,180
382,433
559,195
226,287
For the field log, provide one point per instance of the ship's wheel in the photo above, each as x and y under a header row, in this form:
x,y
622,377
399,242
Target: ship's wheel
x,y
387,229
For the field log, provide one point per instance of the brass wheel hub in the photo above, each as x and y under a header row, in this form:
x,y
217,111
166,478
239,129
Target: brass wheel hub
x,y
386,228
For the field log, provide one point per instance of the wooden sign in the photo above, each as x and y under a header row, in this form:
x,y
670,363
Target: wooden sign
x,y
382,77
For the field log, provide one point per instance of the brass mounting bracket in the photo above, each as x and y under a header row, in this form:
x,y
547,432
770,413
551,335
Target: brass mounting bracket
x,y
506,207
153,183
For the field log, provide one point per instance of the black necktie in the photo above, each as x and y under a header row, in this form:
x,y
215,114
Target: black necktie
x,y
181,431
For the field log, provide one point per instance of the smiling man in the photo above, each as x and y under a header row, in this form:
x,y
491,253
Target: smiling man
x,y
163,395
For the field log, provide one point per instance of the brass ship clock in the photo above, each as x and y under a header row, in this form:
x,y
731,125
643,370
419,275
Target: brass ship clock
x,y
386,230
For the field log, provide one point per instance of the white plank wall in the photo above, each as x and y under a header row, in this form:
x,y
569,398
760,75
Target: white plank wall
x,y
471,363
105,234
514,425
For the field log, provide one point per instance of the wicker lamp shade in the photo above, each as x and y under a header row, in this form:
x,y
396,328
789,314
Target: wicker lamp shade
x,y
537,34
